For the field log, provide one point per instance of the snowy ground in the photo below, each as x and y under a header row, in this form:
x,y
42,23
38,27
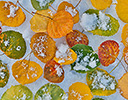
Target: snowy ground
x,y
70,76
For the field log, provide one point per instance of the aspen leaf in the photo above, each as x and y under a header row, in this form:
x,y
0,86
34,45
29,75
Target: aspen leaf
x,y
41,5
108,52
50,92
86,60
124,35
17,92
12,44
122,10
125,55
4,74
76,37
43,46
79,91
53,72
71,9
38,22
7,19
123,85
101,83
101,4
60,24
65,55
25,71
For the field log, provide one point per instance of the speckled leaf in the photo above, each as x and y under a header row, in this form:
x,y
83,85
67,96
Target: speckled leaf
x,y
41,5
4,74
17,92
101,83
86,61
50,92
12,44
113,23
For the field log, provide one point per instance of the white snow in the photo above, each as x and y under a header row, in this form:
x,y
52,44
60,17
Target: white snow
x,y
64,97
18,48
59,70
6,43
72,11
2,75
43,2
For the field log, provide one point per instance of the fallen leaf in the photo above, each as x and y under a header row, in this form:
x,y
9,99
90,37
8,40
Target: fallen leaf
x,y
25,71
7,20
43,46
108,52
125,55
60,24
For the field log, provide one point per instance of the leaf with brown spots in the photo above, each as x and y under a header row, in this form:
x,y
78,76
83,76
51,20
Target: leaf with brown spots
x,y
71,9
53,72
43,46
25,71
108,52
60,24
11,20
76,37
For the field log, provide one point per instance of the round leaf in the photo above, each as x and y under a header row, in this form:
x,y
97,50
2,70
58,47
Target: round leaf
x,y
26,72
43,46
71,9
4,74
60,25
12,44
6,20
50,92
108,52
76,37
101,4
86,61
101,83
79,91
17,92
125,55
41,4
53,72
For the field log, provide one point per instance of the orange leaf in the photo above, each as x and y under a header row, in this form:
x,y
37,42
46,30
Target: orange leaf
x,y
7,20
123,85
76,37
79,91
71,9
43,46
125,55
108,52
60,25
124,35
26,72
53,72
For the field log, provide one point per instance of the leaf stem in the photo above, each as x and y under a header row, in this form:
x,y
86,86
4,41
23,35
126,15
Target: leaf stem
x,y
53,8
24,8
122,65
42,15
2,54
116,65
78,3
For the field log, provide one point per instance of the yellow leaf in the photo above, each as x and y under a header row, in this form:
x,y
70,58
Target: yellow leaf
x,y
7,20
26,72
60,25
39,23
79,90
101,4
75,13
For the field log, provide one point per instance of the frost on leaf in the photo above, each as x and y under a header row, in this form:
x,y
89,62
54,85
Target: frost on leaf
x,y
10,14
86,60
98,23
108,52
50,92
12,44
101,83
25,71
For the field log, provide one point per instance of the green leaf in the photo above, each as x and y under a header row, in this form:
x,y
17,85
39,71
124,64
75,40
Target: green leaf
x,y
4,74
97,99
86,61
17,92
51,92
114,24
41,6
12,44
101,83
